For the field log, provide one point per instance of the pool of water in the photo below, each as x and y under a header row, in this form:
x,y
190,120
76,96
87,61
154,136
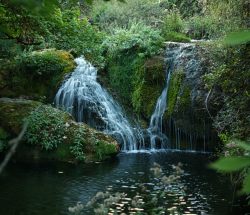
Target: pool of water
x,y
51,188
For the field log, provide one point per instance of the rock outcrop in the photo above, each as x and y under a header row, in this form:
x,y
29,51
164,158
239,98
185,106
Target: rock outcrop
x,y
52,133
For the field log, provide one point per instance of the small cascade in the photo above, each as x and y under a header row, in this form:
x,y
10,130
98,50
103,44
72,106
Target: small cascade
x,y
155,126
83,97
178,56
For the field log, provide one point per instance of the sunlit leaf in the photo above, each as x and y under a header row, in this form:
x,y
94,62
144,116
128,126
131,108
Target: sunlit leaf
x,y
244,146
237,38
246,184
230,164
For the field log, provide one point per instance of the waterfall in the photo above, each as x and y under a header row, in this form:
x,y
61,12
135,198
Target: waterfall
x,y
178,56
83,97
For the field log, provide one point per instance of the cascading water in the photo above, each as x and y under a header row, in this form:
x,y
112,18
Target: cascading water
x,y
83,97
178,56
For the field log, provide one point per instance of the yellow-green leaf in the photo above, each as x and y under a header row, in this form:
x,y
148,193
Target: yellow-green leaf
x,y
231,164
246,184
237,38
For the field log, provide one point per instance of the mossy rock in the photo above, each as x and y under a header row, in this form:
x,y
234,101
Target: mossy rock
x,y
53,134
35,75
174,95
148,85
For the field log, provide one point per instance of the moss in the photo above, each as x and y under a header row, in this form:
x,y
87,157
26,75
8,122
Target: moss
x,y
121,70
173,91
52,133
36,74
184,98
149,82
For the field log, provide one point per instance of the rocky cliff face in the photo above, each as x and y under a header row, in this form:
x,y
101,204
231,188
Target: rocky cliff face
x,y
187,119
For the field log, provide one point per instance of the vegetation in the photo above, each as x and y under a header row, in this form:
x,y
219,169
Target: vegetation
x,y
174,87
52,133
45,127
125,41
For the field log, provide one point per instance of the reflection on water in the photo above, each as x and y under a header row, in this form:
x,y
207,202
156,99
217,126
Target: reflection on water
x,y
42,189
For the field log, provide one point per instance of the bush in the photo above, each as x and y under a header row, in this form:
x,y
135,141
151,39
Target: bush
x,y
218,19
127,49
46,128
72,32
173,27
142,39
78,147
112,14
173,22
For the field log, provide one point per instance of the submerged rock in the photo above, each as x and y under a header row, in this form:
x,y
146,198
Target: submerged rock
x,y
52,133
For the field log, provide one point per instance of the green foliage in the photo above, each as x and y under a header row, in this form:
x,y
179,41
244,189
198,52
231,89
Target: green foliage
x,y
70,32
127,49
173,22
202,27
63,27
121,71
45,127
176,37
231,164
237,38
149,80
78,146
47,67
230,74
113,14
216,19
138,37
45,63
104,149
173,27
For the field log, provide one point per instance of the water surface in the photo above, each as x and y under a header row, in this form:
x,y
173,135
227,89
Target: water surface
x,y
48,189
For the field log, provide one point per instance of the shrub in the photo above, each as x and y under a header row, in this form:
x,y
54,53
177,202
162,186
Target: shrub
x,y
112,14
78,147
173,27
127,49
46,127
202,27
139,37
173,22
72,32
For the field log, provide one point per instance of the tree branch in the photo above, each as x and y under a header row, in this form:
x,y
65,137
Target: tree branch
x,y
14,144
